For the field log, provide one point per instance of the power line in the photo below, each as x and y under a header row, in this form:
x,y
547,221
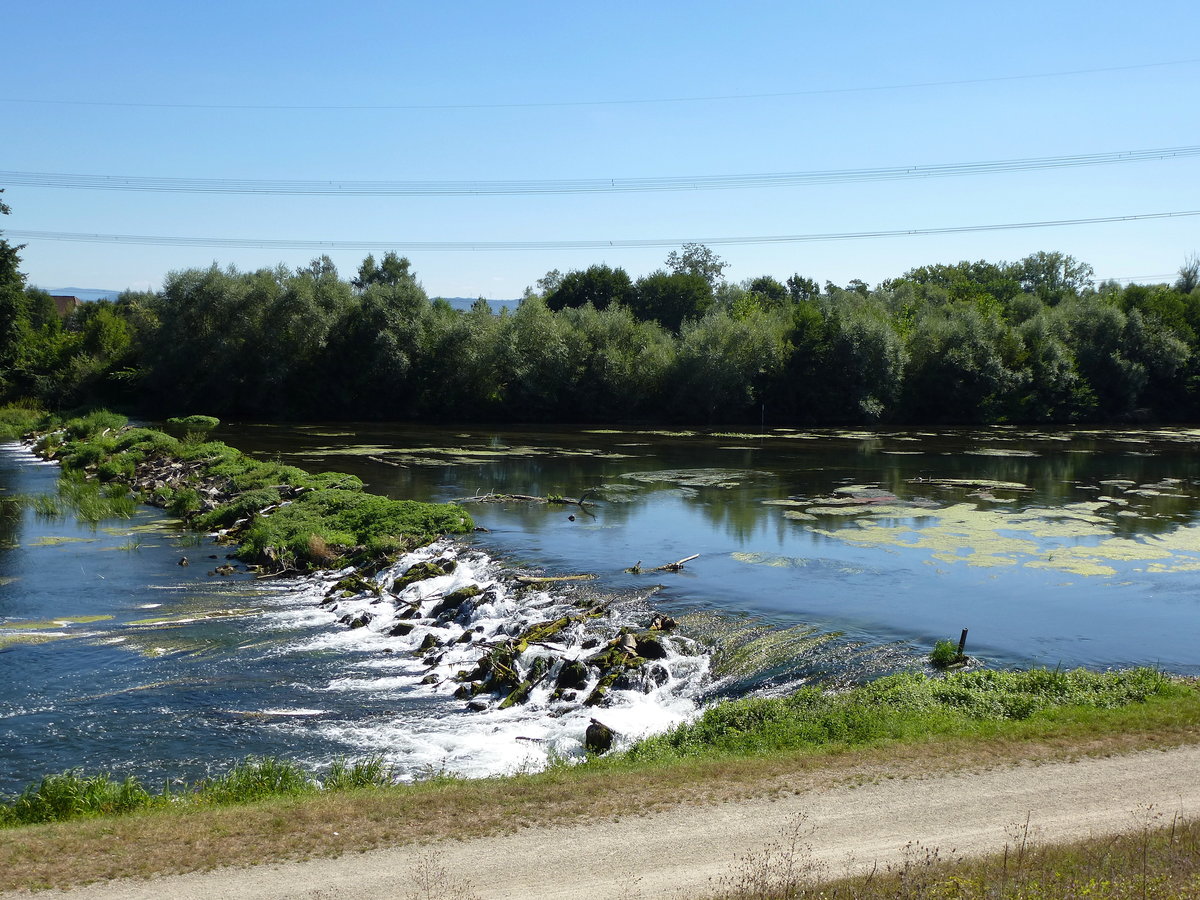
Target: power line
x,y
434,246
346,188
535,104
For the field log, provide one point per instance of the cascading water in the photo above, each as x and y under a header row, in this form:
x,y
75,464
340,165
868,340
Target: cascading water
x,y
411,645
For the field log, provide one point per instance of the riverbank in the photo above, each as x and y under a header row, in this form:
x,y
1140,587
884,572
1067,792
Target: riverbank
x,y
605,813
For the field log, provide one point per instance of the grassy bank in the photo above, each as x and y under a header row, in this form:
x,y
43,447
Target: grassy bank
x,y
281,517
982,706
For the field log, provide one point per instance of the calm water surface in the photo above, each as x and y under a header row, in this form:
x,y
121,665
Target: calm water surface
x,y
835,555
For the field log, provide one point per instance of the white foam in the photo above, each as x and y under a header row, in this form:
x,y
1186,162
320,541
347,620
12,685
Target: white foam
x,y
440,733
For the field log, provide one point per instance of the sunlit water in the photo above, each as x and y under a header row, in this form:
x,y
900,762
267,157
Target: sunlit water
x,y
822,555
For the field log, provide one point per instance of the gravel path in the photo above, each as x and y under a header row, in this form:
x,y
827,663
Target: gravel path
x,y
687,851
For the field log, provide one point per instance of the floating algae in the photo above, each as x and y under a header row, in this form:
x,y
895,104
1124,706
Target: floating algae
x,y
965,533
1001,451
697,478
60,622
53,541
189,618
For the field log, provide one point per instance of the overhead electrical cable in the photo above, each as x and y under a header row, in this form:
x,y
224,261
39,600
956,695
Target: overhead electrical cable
x,y
631,101
430,246
348,188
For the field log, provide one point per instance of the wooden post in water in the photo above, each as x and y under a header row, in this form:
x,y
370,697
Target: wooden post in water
x,y
962,643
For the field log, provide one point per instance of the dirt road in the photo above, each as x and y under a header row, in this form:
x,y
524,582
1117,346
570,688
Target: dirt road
x,y
685,852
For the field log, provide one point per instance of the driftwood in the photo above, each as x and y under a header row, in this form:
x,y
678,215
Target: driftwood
x,y
677,566
539,579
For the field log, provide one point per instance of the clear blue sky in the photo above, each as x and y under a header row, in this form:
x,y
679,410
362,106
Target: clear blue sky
x,y
489,54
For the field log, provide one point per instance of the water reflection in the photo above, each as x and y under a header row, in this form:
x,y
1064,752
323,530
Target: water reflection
x,y
1072,546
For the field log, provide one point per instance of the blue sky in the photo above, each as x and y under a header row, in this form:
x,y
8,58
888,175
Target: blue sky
x,y
491,57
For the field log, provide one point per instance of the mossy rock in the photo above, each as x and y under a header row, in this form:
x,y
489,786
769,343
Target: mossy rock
x,y
418,572
572,676
519,695
600,693
450,603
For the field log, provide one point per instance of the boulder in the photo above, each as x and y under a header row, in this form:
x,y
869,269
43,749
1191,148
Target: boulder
x,y
598,738
359,620
400,629
572,676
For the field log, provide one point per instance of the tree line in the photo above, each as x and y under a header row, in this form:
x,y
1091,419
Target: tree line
x,y
974,342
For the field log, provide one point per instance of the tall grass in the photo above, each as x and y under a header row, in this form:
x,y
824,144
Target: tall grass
x,y
16,419
73,794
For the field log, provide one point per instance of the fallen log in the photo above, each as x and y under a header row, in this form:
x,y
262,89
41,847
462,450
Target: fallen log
x,y
540,579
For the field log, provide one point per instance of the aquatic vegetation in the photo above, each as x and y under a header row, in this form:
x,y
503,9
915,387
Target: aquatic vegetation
x,y
697,478
944,654
314,521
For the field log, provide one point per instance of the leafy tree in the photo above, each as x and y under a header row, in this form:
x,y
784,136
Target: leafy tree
x,y
670,298
539,371
394,270
725,364
961,365
801,288
548,283
697,259
598,285
1053,276
623,363
14,311
772,292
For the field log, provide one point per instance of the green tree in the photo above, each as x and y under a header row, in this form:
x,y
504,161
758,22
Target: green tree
x,y
697,259
14,307
598,285
726,364
1053,276
670,298
961,365
394,270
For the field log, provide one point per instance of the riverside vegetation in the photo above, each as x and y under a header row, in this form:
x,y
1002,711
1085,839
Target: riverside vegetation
x,y
1036,340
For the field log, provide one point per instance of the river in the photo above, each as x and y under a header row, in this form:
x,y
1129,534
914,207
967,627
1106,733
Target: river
x,y
823,556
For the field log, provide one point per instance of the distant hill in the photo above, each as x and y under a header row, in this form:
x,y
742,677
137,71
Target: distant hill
x,y
468,302
84,293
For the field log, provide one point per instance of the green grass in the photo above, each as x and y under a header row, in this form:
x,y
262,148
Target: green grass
x,y
352,519
978,706
17,419
74,795
911,707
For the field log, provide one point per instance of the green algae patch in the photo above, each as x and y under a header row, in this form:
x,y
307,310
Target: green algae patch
x,y
57,541
190,618
60,622
697,478
14,640
1033,538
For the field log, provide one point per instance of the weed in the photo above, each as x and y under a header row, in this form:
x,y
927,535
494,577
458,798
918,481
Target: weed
x,y
944,655
429,879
